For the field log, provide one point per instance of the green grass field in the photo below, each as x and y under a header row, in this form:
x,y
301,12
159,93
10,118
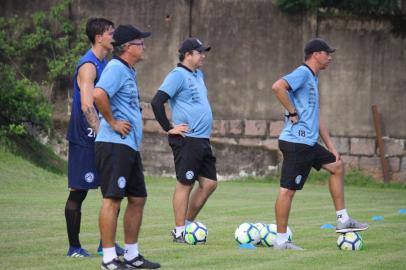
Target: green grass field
x,y
33,234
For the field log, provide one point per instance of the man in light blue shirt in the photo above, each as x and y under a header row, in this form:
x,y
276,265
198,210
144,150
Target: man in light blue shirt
x,y
304,96
298,93
189,135
190,106
117,149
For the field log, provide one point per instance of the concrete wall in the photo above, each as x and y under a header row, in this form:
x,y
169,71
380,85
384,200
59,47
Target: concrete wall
x,y
254,44
168,21
369,68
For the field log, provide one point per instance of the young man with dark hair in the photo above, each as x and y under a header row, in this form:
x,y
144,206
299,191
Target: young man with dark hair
x,y
189,137
83,126
118,143
299,95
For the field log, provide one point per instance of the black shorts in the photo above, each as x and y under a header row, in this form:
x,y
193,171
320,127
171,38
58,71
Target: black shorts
x,y
120,171
193,158
298,159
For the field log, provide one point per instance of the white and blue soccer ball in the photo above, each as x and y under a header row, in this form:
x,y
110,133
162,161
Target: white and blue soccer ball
x,y
247,233
259,225
350,241
268,235
196,233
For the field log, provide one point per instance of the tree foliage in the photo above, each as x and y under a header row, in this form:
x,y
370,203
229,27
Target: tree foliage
x,y
21,102
42,49
370,7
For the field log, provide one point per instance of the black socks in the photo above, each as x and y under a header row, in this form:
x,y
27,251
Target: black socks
x,y
73,215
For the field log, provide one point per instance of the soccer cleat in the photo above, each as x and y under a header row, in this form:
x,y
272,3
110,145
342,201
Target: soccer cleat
x,y
113,264
140,262
286,245
119,250
351,225
179,239
78,252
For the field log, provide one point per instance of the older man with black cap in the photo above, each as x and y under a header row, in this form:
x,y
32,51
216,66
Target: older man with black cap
x,y
299,95
189,135
117,149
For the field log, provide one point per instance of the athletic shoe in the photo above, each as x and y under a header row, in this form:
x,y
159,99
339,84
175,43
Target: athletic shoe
x,y
78,252
351,225
140,262
179,239
113,264
287,245
119,250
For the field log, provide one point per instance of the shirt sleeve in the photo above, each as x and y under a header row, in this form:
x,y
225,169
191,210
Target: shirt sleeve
x,y
172,83
158,108
111,79
296,79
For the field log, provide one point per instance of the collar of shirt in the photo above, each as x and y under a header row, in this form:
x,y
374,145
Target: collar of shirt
x,y
122,61
309,69
185,67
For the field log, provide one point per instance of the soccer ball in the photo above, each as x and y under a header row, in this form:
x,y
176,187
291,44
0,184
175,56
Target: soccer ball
x,y
247,233
268,235
350,241
259,225
195,233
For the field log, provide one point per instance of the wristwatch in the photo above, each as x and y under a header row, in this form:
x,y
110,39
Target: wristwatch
x,y
291,114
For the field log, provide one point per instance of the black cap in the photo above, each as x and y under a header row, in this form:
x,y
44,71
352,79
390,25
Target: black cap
x,y
125,33
191,44
317,45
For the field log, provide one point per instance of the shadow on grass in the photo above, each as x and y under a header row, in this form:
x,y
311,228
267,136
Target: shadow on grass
x,y
30,149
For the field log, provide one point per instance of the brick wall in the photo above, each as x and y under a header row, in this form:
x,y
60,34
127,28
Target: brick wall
x,y
262,135
242,148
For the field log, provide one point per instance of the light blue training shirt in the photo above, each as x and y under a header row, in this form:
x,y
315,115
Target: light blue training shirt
x,y
119,82
304,95
188,100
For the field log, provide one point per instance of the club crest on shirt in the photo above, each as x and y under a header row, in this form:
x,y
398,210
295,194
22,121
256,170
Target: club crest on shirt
x,y
121,182
89,177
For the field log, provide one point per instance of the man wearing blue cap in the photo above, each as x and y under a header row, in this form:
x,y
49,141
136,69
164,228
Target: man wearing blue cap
x,y
118,144
189,135
299,95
